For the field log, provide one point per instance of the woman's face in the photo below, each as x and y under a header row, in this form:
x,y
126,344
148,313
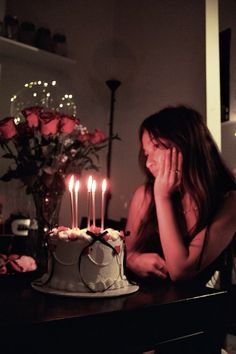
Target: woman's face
x,y
155,151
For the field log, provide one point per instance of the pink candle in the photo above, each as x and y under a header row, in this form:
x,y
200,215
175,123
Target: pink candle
x,y
89,188
104,187
93,201
76,189
71,190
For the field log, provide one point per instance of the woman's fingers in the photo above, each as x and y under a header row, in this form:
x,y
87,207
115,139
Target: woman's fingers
x,y
161,170
161,267
159,273
174,160
160,270
176,165
180,164
168,158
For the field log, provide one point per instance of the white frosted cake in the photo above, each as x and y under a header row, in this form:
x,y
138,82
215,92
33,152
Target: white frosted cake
x,y
85,261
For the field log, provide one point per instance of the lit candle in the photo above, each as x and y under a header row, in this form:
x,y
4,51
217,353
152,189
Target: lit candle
x,y
93,201
89,188
76,188
104,187
71,190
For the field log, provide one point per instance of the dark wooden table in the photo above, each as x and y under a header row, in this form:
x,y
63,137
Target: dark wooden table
x,y
173,318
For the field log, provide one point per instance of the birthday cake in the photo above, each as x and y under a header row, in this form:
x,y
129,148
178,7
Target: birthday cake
x,y
85,260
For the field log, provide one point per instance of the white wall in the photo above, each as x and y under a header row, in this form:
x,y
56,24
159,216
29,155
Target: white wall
x,y
155,47
227,15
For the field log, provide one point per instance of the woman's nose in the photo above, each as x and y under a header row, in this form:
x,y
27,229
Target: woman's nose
x,y
149,161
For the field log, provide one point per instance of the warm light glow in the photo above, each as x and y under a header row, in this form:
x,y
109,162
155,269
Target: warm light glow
x,y
89,188
104,185
94,186
90,182
77,185
93,201
71,183
76,189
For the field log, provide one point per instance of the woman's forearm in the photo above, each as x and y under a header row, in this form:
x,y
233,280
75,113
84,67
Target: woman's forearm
x,y
175,251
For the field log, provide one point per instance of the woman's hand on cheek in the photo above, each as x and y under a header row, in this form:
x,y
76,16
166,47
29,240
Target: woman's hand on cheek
x,y
147,264
169,174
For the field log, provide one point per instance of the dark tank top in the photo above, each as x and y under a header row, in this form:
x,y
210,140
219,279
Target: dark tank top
x,y
223,263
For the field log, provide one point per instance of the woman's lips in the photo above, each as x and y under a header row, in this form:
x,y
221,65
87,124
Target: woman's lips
x,y
153,171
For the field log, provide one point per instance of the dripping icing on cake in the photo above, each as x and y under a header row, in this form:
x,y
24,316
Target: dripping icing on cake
x,y
86,260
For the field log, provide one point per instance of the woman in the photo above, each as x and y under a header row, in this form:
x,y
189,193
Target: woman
x,y
182,221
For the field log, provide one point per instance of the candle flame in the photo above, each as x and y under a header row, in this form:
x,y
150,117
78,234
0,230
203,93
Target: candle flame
x,y
104,185
71,183
90,182
94,186
77,185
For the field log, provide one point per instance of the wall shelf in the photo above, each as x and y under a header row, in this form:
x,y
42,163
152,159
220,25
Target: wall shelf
x,y
18,50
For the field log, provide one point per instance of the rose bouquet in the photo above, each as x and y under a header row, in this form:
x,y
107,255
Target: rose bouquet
x,y
46,146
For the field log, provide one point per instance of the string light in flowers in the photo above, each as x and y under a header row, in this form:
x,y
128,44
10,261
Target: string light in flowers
x,y
45,94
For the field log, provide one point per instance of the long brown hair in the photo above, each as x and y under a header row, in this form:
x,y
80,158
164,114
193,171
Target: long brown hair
x,y
205,175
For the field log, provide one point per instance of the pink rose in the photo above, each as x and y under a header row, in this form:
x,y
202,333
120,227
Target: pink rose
x,y
49,123
67,124
73,236
26,263
3,268
7,128
31,115
97,137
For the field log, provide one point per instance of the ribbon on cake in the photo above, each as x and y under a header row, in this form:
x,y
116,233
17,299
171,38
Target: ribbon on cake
x,y
100,238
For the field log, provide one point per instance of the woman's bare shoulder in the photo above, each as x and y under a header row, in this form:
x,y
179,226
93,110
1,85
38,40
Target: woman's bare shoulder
x,y
141,194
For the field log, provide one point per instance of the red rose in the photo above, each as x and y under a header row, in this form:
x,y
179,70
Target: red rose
x,y
3,269
83,137
97,137
7,128
67,124
31,115
62,228
49,123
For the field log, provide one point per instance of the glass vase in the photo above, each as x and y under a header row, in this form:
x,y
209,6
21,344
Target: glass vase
x,y
47,208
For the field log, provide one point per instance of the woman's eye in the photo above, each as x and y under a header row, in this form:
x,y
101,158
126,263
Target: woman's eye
x,y
158,146
161,146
